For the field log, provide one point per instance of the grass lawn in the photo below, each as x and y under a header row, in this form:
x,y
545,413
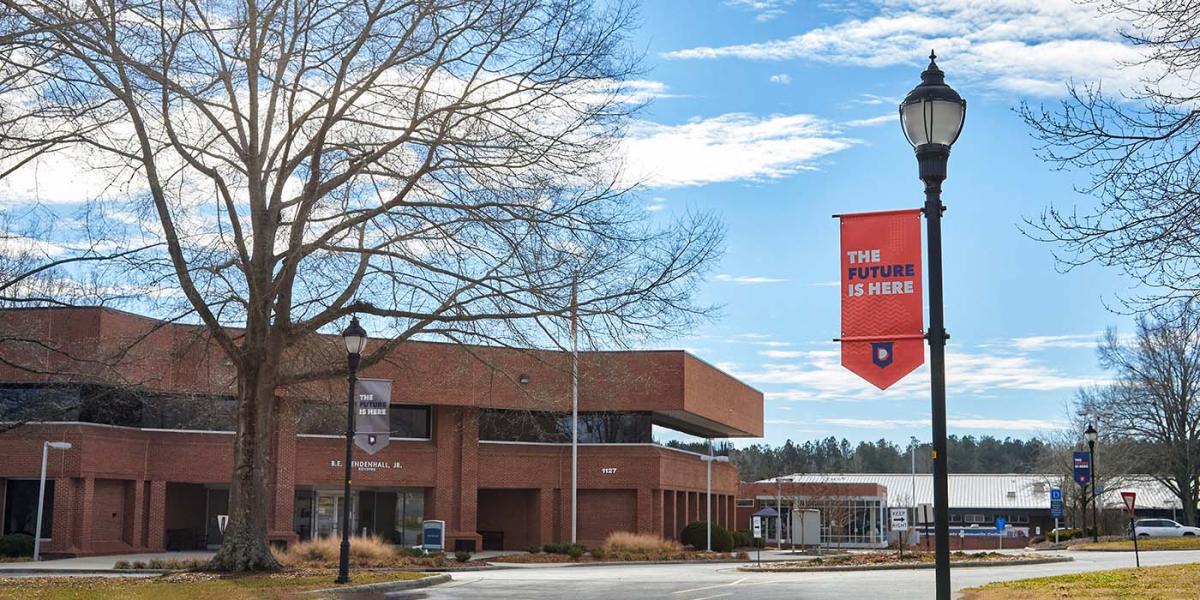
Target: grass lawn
x,y
1145,544
1173,581
199,586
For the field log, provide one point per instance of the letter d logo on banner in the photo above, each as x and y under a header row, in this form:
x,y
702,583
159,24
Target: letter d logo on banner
x,y
883,323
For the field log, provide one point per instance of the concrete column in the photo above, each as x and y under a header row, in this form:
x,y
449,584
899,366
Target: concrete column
x,y
156,519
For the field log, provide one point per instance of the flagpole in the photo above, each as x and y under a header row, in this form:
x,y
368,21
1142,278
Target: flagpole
x,y
574,404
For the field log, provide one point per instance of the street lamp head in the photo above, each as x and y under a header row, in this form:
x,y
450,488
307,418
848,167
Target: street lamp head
x,y
355,337
59,445
1090,434
932,113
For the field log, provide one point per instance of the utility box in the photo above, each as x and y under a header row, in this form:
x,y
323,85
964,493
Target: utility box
x,y
806,527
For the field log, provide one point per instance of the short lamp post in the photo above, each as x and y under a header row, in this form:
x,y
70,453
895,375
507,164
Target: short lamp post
x,y
356,339
932,118
1090,434
708,461
37,529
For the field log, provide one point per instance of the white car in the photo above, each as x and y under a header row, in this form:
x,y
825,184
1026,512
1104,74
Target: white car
x,y
1163,528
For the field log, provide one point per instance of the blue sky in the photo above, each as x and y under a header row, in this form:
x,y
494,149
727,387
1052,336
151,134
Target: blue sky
x,y
776,115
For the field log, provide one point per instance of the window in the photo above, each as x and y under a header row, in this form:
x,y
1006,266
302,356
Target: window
x,y
745,502
956,518
975,518
327,418
1020,519
20,507
541,426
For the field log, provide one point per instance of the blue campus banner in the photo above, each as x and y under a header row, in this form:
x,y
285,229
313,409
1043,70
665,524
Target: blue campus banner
x,y
1083,468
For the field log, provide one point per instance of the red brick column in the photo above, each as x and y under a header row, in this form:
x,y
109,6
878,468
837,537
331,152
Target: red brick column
x,y
83,513
284,486
156,518
134,497
455,496
63,525
645,510
545,516
656,498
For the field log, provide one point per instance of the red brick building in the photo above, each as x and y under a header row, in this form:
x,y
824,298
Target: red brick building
x,y
478,440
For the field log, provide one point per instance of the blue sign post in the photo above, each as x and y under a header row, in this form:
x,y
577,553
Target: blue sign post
x,y
1056,509
1083,468
1001,523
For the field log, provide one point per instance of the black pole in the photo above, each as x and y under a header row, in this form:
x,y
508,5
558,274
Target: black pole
x,y
344,558
1092,462
931,159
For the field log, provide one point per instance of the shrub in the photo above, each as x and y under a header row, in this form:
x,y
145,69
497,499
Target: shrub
x,y
575,550
534,549
411,552
744,539
370,550
121,564
639,543
137,564
555,548
16,544
695,535
462,555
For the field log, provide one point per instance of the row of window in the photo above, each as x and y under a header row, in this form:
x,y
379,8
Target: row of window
x,y
132,407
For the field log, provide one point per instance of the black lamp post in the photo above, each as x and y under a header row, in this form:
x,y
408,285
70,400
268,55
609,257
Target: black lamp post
x,y
356,339
1090,435
932,117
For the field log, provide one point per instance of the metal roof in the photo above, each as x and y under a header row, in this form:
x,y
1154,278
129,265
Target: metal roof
x,y
992,491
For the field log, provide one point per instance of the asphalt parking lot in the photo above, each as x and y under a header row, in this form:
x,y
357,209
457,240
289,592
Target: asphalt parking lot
x,y
709,581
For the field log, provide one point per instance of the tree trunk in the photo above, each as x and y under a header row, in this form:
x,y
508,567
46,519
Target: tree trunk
x,y
245,546
1188,499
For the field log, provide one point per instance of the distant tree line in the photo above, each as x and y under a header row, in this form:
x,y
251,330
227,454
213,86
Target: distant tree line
x,y
968,454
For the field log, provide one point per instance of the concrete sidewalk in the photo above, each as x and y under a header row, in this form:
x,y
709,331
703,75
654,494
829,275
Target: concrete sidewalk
x,y
99,563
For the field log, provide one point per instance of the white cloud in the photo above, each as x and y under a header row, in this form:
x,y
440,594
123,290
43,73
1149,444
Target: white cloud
x,y
729,147
1035,343
764,10
656,204
1024,46
782,353
747,279
873,121
818,376
781,78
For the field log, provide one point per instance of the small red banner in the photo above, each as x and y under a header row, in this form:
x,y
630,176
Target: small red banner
x,y
882,319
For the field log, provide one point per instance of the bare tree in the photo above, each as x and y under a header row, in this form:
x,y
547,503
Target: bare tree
x,y
443,167
1141,148
1153,401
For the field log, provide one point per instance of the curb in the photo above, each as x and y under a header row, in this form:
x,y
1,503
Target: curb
x,y
961,565
1130,549
388,586
623,563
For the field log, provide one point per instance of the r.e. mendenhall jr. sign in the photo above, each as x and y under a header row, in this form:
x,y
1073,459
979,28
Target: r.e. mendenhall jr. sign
x,y
883,323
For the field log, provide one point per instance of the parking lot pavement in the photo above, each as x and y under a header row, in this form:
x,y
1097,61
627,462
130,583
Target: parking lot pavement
x,y
101,562
709,582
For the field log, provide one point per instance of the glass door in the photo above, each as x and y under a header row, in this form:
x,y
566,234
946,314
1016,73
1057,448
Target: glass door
x,y
327,518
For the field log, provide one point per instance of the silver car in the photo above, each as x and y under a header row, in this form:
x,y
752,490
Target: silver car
x,y
1163,528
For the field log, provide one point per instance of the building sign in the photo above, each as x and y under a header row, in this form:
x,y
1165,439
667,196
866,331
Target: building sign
x,y
882,317
433,535
372,424
1083,468
367,465
899,518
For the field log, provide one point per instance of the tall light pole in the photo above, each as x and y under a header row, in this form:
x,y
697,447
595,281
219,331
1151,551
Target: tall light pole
x,y
355,338
37,529
708,461
932,117
1090,435
574,405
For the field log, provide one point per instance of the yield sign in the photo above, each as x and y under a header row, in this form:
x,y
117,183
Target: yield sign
x,y
1129,498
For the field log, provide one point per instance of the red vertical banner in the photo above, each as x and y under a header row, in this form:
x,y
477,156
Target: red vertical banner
x,y
882,318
